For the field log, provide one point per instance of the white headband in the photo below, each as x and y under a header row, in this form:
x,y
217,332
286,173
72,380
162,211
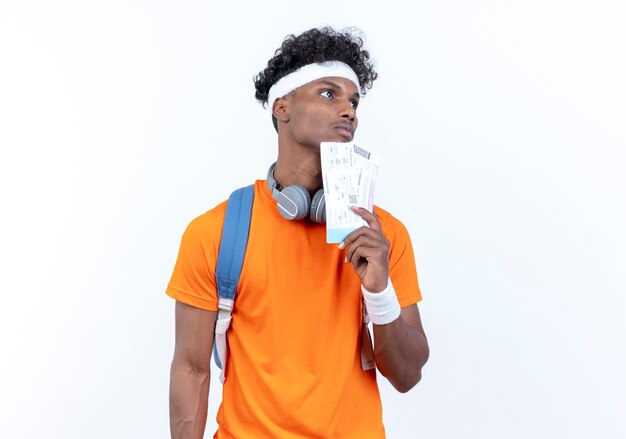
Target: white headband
x,y
308,73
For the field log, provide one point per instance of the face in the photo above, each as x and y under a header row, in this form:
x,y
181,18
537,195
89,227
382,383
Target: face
x,y
323,110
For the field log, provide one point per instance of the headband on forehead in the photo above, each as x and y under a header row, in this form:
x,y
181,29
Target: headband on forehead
x,y
308,73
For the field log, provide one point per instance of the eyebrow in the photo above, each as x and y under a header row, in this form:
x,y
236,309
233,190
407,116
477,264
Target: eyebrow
x,y
336,86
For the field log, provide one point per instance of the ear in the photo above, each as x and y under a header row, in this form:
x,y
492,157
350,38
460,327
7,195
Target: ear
x,y
280,109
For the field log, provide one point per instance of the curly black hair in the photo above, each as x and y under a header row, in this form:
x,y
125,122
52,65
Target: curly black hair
x,y
316,46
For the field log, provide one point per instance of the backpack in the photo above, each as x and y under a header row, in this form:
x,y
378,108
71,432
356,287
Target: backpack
x,y
228,269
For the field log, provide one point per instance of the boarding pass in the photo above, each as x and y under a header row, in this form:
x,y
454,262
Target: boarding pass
x,y
349,174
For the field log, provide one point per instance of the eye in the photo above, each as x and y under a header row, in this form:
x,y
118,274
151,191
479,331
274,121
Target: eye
x,y
354,104
327,94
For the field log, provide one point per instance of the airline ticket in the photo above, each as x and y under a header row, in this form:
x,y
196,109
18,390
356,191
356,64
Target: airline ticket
x,y
349,175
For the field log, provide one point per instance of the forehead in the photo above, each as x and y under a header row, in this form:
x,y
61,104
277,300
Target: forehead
x,y
335,82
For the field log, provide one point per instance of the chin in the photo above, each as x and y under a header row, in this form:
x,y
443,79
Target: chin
x,y
339,139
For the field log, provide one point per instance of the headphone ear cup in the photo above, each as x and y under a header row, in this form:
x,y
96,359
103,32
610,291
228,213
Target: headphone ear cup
x,y
318,207
294,202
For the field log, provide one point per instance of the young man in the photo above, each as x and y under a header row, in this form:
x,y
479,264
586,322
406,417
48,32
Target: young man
x,y
294,367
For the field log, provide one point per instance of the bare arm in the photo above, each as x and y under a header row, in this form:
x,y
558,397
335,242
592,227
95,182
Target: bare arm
x,y
400,347
190,373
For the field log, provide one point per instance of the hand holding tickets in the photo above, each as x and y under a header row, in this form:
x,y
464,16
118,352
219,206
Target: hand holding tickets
x,y
349,174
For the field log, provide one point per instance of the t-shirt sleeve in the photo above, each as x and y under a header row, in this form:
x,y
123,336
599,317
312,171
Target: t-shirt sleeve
x,y
402,270
193,279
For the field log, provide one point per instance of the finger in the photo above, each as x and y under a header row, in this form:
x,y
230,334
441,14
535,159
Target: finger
x,y
361,231
370,256
380,246
359,265
369,217
365,241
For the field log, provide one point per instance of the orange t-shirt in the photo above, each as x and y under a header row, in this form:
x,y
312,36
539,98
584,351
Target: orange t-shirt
x,y
294,366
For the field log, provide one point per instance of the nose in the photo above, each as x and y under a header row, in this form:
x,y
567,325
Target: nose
x,y
347,111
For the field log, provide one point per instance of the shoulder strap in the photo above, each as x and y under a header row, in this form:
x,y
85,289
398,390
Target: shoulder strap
x,y
229,263
234,241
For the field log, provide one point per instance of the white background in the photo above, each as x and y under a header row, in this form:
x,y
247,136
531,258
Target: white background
x,y
501,127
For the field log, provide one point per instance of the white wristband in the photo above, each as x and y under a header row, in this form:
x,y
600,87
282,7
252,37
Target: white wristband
x,y
383,307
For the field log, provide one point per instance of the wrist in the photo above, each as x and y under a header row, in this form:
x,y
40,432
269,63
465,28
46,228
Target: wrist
x,y
382,307
376,289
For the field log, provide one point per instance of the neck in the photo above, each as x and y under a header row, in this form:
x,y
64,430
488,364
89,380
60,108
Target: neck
x,y
297,165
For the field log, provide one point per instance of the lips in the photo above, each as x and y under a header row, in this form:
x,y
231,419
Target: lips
x,y
345,130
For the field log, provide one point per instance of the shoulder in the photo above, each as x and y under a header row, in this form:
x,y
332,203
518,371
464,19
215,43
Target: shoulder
x,y
211,218
393,228
205,231
209,225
